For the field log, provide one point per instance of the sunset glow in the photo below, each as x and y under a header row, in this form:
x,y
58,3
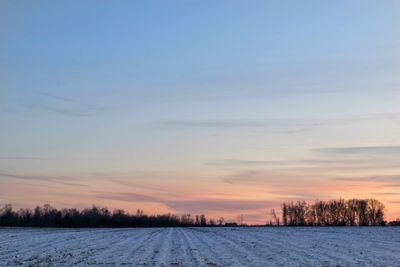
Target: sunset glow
x,y
191,107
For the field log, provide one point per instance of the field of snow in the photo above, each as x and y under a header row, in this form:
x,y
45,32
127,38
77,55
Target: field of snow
x,y
201,246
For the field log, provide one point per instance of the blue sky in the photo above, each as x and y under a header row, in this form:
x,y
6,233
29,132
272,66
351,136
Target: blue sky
x,y
206,101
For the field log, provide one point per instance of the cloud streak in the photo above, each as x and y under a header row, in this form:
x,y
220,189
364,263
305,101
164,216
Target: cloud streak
x,y
238,123
129,197
184,204
21,158
284,163
66,106
302,123
57,180
377,178
362,150
214,205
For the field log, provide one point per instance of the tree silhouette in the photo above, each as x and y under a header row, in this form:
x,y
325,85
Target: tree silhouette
x,y
361,212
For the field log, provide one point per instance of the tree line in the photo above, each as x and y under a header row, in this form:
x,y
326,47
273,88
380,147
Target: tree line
x,y
47,216
353,212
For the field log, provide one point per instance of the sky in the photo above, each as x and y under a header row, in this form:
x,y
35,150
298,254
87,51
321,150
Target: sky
x,y
215,107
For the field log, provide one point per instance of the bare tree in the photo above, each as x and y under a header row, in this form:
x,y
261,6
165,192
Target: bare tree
x,y
338,212
351,212
375,212
203,220
284,214
362,210
275,217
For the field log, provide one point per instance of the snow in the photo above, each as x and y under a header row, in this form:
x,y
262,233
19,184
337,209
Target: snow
x,y
258,246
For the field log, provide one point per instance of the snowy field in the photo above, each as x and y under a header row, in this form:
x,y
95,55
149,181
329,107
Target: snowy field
x,y
201,247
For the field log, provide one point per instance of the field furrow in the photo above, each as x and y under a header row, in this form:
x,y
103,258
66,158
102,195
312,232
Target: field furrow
x,y
257,246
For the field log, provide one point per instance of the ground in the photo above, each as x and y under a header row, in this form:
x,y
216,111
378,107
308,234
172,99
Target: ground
x,y
283,246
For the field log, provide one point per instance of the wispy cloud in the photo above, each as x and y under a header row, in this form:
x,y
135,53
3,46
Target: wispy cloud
x,y
235,123
376,183
377,178
240,162
362,150
287,125
277,183
284,163
74,112
65,106
256,171
52,179
184,204
21,158
130,197
55,158
297,185
230,205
